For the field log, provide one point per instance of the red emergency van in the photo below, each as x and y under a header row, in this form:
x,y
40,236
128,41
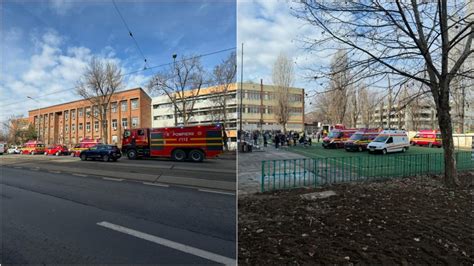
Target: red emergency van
x,y
430,138
83,145
32,147
178,143
336,137
359,140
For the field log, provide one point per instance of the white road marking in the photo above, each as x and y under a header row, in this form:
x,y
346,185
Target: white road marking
x,y
18,167
80,175
156,184
34,169
55,172
171,244
217,192
112,179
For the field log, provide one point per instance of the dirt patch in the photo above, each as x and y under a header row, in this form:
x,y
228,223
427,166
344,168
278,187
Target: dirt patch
x,y
404,221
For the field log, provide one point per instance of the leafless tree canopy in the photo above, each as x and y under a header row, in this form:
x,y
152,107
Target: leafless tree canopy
x,y
182,83
283,77
414,40
98,84
223,76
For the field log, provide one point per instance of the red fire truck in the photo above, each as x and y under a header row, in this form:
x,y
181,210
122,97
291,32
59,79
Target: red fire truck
x,y
179,143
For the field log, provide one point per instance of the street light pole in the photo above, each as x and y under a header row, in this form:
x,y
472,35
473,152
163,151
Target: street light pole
x,y
174,96
39,117
241,89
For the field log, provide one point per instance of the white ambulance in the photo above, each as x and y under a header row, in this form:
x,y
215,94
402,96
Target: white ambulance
x,y
390,141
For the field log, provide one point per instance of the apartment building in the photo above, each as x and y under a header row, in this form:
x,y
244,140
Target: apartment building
x,y
69,123
413,118
259,105
207,107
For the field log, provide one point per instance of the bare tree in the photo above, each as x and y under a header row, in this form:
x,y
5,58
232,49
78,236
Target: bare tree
x,y
98,84
182,83
224,76
409,39
283,77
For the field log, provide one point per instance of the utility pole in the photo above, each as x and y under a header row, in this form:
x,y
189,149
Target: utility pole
x,y
175,113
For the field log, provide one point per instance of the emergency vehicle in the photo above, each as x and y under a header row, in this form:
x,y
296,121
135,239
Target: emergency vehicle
x,y
83,145
428,138
337,136
3,148
390,141
360,139
32,147
178,143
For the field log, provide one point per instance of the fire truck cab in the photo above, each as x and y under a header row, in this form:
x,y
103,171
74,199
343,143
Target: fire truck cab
x,y
430,138
178,143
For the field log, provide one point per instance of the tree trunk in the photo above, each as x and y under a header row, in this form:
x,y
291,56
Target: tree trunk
x,y
446,128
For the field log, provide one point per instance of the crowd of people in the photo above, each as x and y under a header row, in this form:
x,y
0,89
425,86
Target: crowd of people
x,y
278,138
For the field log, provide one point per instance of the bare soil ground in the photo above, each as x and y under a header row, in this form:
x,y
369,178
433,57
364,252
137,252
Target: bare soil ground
x,y
403,221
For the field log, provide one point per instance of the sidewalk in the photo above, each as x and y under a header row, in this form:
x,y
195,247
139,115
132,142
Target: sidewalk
x,y
249,167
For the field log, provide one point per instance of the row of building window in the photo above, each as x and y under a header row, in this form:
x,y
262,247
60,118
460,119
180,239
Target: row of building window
x,y
135,122
256,95
134,105
255,109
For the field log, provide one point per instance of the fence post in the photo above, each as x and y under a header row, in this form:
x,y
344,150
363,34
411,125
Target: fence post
x,y
263,177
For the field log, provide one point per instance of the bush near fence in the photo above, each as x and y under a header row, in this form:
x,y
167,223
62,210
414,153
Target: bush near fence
x,y
313,172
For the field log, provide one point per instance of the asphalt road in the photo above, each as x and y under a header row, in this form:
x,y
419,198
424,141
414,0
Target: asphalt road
x,y
60,218
214,173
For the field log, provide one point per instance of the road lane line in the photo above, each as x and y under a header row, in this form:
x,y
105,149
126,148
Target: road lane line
x,y
171,244
156,184
217,192
55,172
112,179
80,175
18,167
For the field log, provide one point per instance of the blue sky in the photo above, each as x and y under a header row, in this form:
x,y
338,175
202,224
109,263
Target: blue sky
x,y
45,45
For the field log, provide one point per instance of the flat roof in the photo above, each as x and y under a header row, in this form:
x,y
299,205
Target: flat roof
x,y
117,92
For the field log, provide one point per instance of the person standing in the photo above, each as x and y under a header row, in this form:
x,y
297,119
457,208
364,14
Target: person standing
x,y
277,140
318,135
265,140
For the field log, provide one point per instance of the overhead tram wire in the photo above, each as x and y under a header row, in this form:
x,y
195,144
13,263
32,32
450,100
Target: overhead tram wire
x,y
128,73
130,33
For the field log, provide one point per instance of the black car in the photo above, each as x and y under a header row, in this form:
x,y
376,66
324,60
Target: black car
x,y
101,152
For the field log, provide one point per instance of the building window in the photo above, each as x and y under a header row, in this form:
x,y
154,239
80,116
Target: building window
x,y
88,112
73,114
114,124
88,126
124,123
114,139
123,106
80,111
134,104
96,126
114,107
134,122
66,115
66,128
80,126
96,111
73,128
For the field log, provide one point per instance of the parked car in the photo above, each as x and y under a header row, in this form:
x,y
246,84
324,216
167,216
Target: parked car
x,y
14,150
390,141
101,152
57,150
33,147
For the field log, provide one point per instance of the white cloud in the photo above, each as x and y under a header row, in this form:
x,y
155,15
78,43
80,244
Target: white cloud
x,y
48,74
61,6
268,28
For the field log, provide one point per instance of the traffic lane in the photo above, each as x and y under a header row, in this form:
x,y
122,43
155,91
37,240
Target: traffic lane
x,y
39,228
224,170
208,213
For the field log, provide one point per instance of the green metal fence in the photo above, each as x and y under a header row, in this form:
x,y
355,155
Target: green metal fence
x,y
313,172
